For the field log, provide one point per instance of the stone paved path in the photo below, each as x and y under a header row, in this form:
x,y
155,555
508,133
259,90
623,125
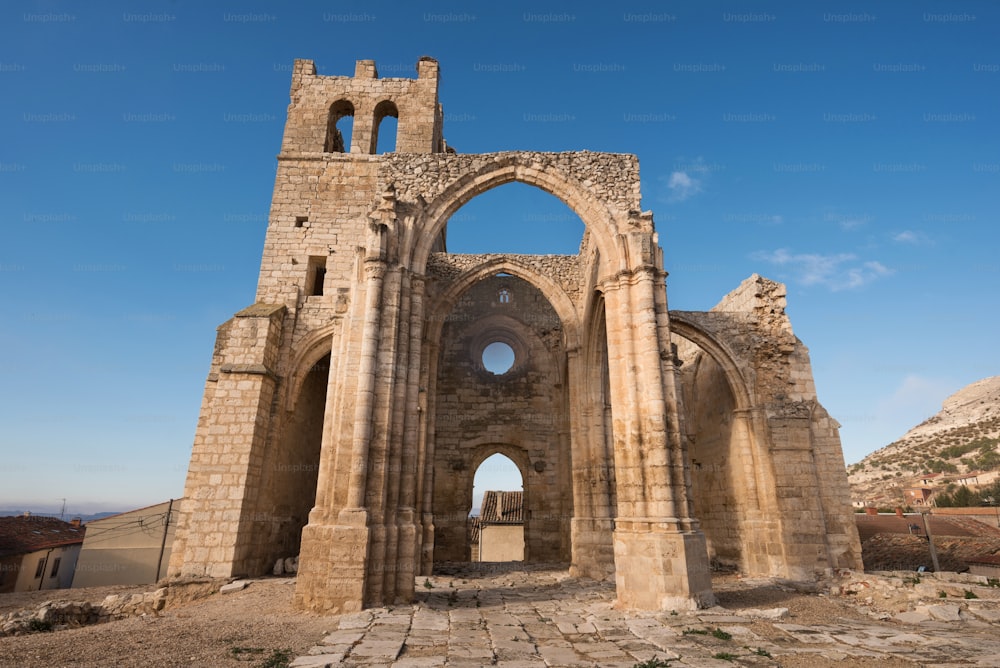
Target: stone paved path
x,y
540,617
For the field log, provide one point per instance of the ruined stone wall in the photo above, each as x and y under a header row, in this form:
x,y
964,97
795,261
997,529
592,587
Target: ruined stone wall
x,y
521,412
611,179
214,530
715,465
785,457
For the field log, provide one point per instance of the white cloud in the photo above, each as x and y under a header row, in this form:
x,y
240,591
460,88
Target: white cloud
x,y
682,186
688,178
910,237
840,271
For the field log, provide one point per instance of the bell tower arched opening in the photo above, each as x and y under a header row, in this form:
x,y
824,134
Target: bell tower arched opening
x,y
340,124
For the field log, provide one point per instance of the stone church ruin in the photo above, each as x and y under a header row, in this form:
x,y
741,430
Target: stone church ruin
x,y
347,409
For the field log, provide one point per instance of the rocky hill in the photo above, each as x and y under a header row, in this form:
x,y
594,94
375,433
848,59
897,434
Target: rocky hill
x,y
957,446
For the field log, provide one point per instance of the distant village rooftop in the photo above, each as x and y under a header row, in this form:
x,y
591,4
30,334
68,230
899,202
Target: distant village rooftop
x,y
28,533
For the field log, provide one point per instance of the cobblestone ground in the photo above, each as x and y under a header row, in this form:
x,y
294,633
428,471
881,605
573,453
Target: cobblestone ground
x,y
538,616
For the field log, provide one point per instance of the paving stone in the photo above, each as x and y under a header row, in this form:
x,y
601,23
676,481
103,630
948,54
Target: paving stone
x,y
314,662
342,650
420,662
912,617
985,614
344,637
356,620
723,619
377,649
773,613
554,632
560,656
239,585
945,613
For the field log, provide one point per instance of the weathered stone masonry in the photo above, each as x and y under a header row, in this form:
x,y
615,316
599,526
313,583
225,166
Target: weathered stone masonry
x,y
346,411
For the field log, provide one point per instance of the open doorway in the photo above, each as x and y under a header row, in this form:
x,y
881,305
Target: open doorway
x,y
496,523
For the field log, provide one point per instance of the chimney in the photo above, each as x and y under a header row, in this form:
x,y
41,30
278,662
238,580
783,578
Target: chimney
x,y
75,522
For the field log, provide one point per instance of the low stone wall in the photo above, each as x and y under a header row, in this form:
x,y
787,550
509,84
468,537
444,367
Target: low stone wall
x,y
911,597
59,615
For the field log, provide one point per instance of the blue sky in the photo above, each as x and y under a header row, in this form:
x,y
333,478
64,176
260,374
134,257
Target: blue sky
x,y
850,150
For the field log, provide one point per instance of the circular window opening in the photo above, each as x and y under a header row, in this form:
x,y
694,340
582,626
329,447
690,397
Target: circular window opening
x,y
498,358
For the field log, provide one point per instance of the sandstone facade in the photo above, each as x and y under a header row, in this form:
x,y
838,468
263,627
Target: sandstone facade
x,y
346,411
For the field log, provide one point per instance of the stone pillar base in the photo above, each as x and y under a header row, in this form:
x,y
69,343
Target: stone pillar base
x,y
660,569
406,562
427,545
593,549
332,565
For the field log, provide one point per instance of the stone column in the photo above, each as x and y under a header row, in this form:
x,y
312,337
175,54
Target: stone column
x,y
661,558
425,467
409,526
334,557
380,457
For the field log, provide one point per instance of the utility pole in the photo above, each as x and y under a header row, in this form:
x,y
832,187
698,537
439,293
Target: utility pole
x,y
930,541
163,542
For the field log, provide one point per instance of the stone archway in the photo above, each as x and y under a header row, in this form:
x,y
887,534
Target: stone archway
x,y
525,409
609,207
727,471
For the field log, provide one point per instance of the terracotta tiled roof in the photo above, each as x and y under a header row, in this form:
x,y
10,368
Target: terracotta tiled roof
x,y
869,525
21,535
502,508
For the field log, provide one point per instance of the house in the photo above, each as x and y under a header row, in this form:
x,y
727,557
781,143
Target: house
x,y
970,479
501,527
917,496
38,552
128,548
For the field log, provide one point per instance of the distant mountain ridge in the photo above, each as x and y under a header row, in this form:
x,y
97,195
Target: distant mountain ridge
x,y
957,443
6,512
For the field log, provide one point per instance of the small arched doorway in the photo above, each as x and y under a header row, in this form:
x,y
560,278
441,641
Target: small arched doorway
x,y
498,509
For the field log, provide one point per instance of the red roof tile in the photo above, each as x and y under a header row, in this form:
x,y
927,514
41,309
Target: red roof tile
x,y
21,535
502,508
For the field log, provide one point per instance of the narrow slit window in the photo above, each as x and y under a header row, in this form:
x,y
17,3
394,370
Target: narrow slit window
x,y
316,276
55,567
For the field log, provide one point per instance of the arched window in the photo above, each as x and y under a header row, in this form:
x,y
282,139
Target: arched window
x,y
384,134
338,131
503,296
